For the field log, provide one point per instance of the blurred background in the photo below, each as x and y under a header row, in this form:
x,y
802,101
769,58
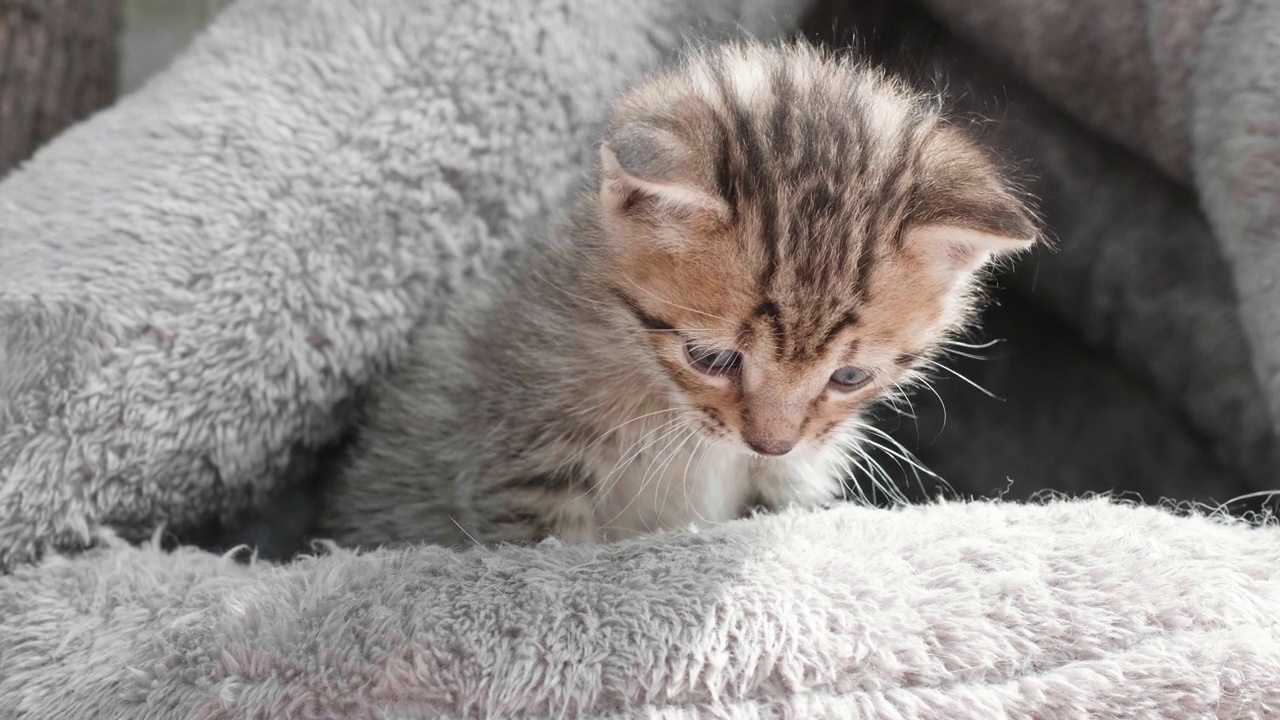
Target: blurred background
x,y
154,31
60,60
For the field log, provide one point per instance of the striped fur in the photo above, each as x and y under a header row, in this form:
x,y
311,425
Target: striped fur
x,y
803,211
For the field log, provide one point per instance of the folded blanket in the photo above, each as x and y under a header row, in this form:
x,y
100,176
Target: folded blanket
x,y
1067,610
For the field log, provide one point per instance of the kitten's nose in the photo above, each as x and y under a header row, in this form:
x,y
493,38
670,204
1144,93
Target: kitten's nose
x,y
772,448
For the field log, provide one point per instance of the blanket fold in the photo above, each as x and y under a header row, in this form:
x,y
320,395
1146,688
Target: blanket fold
x,y
1069,609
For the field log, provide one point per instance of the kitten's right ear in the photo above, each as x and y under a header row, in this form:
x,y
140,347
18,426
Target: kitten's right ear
x,y
959,249
630,190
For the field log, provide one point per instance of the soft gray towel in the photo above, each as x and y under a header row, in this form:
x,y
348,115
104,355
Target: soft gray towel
x,y
1069,610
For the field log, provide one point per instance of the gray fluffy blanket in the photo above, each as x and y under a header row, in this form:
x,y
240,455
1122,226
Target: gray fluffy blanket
x,y
196,284
1069,610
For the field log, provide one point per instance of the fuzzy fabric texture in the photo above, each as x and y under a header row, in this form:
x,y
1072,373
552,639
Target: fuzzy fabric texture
x,y
1081,609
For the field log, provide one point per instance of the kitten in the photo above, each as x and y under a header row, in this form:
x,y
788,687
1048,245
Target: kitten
x,y
775,238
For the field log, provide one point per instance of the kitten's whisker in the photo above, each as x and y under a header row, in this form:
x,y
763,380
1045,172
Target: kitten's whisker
x,y
972,346
905,455
941,403
898,460
683,436
684,482
868,470
975,385
961,353
849,464
581,453
628,456
902,453
635,450
611,431
857,458
483,547
575,296
888,486
670,428
470,537
659,499
697,469
847,479
891,491
848,482
844,483
665,491
902,393
895,403
661,299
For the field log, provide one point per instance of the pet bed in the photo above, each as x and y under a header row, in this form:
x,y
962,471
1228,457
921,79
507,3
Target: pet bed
x,y
196,283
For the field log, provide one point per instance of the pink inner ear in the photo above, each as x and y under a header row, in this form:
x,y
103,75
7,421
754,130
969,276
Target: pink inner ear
x,y
627,194
961,249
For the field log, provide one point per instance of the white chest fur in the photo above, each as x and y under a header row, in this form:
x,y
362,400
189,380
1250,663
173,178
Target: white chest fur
x,y
678,481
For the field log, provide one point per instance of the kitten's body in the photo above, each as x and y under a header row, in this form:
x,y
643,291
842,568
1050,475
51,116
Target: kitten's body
x,y
805,216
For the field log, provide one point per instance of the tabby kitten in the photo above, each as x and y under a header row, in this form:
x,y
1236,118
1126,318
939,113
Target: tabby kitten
x,y
775,238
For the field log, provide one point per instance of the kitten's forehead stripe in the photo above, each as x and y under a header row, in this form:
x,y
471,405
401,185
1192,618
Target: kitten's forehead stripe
x,y
749,168
781,128
846,321
799,190
724,169
768,311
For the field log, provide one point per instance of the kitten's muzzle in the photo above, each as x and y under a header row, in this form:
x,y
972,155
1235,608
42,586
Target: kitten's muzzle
x,y
771,448
771,419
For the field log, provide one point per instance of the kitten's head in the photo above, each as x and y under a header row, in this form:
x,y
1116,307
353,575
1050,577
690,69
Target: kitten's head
x,y
792,236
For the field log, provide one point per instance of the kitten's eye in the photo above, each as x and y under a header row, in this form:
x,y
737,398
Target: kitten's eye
x,y
713,362
850,377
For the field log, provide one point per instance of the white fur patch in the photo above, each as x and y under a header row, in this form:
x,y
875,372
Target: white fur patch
x,y
749,79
